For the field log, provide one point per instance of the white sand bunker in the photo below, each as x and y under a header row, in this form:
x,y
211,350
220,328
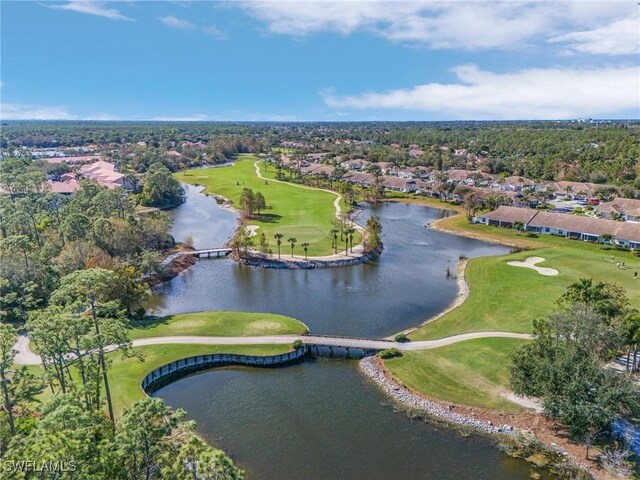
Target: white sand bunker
x,y
252,230
531,263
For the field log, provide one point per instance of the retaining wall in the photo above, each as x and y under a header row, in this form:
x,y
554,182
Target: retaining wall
x,y
170,372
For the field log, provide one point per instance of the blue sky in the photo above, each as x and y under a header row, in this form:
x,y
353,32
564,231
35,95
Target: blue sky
x,y
358,60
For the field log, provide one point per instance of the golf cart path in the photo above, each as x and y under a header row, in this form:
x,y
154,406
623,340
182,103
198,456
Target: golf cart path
x,y
25,356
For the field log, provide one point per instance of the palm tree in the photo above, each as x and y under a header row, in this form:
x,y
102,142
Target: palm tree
x,y
346,241
568,189
292,241
278,237
607,238
395,165
518,227
349,233
305,246
334,240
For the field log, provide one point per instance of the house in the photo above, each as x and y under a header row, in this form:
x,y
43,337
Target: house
x,y
399,184
318,169
359,178
66,187
516,184
467,177
357,164
485,193
625,234
316,157
73,160
104,173
507,216
627,209
458,176
578,190
416,153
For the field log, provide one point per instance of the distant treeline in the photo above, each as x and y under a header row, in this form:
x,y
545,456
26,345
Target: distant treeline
x,y
601,152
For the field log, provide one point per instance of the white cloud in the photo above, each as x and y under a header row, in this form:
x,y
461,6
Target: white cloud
x,y
92,7
469,25
19,111
616,38
175,22
214,32
553,93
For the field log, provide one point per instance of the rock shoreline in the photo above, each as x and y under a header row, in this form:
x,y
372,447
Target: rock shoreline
x,y
259,261
373,369
401,394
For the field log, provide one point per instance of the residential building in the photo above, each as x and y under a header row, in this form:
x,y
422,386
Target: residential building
x,y
627,209
105,174
571,226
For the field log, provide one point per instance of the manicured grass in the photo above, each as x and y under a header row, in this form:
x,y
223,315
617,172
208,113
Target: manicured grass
x,y
472,373
506,298
125,375
302,213
218,324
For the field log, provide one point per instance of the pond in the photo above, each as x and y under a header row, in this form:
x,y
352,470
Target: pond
x,y
322,419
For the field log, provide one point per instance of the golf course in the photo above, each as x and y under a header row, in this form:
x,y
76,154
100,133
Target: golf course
x,y
503,298
294,211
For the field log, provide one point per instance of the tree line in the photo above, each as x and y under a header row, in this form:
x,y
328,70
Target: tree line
x,y
568,363
73,270
600,152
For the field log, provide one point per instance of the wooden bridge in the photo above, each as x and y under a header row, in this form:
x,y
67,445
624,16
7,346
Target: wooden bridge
x,y
207,252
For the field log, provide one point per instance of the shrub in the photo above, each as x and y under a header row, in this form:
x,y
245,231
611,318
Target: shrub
x,y
390,353
297,344
401,337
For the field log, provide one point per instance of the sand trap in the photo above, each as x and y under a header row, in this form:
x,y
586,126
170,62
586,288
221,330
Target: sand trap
x,y
531,263
252,230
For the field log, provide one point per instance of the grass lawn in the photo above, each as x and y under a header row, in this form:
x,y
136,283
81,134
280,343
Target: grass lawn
x,y
472,373
506,298
302,213
218,324
125,375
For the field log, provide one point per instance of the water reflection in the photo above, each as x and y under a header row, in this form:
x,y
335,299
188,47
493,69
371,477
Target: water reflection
x,y
323,420
406,285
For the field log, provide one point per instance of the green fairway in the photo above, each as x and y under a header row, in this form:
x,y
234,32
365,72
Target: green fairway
x,y
473,372
301,213
506,298
218,324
